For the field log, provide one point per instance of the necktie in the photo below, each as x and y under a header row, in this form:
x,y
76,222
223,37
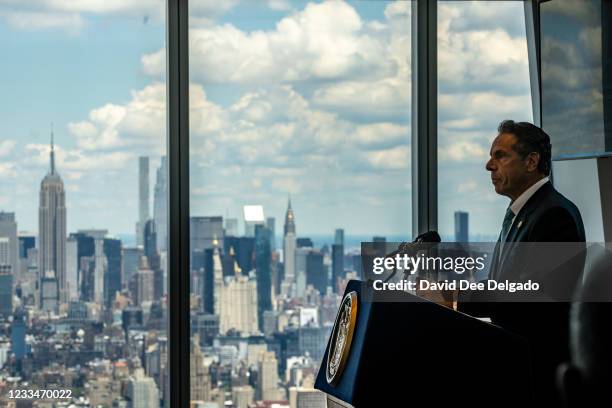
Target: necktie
x,y
502,238
506,225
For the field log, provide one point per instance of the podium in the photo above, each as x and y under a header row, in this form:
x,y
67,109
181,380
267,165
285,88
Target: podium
x,y
406,351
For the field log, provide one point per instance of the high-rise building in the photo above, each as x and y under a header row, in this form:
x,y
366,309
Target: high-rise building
x,y
5,253
242,396
203,231
160,207
304,242
268,377
52,236
6,291
244,248
253,216
271,224
142,285
85,251
130,262
112,277
301,269
8,230
238,303
316,272
26,242
143,197
263,272
142,392
339,236
300,397
18,334
461,226
337,264
217,273
289,247
150,251
199,384
100,268
72,268
231,227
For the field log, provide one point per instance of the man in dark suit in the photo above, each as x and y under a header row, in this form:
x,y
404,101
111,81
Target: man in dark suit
x,y
520,164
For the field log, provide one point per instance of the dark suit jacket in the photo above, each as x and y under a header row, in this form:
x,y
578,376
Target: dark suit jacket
x,y
546,217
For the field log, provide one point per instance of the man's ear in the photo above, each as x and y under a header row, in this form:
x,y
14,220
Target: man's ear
x,y
571,386
533,159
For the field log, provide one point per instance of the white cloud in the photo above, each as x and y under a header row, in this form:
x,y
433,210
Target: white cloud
x,y
34,20
390,159
7,169
463,151
323,41
140,122
72,15
467,187
279,5
76,161
6,147
382,134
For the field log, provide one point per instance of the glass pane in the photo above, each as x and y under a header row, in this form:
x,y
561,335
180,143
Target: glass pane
x,y
300,150
82,203
483,78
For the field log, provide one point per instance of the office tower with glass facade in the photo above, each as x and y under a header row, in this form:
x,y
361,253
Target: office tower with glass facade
x,y
143,197
461,226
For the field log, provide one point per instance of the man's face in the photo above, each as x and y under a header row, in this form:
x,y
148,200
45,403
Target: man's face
x,y
509,173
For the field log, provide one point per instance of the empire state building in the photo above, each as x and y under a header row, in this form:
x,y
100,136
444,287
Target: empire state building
x,y
52,238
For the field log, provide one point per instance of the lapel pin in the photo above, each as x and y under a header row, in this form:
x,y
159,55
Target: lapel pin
x,y
519,224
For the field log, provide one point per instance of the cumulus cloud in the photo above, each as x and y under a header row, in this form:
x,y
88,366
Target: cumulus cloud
x,y
137,123
322,41
73,15
6,147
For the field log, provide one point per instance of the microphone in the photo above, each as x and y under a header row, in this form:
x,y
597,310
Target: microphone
x,y
429,236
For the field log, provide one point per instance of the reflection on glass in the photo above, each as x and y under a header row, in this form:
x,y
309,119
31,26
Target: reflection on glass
x,y
483,78
572,80
82,206
300,150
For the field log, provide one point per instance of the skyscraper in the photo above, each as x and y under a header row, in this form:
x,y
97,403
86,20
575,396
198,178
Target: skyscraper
x,y
238,302
217,269
143,197
112,277
271,224
339,237
8,230
203,231
263,272
289,245
52,235
461,226
142,392
268,377
253,216
6,291
72,268
316,272
160,207
337,264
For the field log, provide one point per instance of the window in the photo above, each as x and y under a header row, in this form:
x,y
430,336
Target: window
x,y
483,78
300,150
82,201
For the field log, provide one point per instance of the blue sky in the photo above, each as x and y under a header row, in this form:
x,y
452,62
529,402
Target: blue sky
x,y
304,98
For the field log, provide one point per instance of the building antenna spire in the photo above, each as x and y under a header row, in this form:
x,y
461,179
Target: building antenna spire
x,y
52,151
